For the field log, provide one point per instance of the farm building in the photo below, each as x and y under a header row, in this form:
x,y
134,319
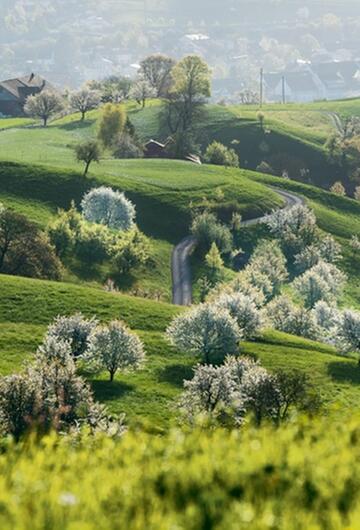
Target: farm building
x,y
14,92
154,149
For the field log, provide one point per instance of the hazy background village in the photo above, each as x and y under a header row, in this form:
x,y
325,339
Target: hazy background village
x,y
307,50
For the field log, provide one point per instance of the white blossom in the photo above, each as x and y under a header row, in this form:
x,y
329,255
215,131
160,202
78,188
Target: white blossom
x,y
114,347
242,308
74,329
108,207
206,331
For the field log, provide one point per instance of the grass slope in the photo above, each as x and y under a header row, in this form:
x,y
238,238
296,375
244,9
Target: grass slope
x,y
148,396
162,191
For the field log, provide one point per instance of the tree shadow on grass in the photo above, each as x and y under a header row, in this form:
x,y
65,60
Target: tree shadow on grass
x,y
78,124
108,391
345,372
175,374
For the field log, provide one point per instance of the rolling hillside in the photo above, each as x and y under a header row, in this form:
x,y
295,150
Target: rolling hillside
x,y
148,396
38,175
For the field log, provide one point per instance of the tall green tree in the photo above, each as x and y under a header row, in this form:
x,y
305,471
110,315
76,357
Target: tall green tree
x,y
190,90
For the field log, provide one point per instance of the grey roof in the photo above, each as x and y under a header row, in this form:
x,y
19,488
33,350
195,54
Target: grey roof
x,y
19,85
299,81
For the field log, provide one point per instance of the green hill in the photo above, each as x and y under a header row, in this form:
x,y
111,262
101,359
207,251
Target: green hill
x,y
38,175
148,396
162,191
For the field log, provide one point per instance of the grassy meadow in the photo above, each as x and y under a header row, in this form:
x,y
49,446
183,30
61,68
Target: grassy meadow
x,y
38,175
148,397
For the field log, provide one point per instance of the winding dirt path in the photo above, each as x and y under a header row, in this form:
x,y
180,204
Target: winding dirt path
x,y
180,263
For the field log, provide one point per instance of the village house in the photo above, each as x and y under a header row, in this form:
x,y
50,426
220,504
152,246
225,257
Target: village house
x,y
309,82
14,92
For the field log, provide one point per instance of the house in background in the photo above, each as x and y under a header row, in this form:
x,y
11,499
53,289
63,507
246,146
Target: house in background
x,y
299,86
341,79
314,81
154,149
14,92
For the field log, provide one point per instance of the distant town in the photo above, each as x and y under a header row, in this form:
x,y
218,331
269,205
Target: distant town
x,y
306,51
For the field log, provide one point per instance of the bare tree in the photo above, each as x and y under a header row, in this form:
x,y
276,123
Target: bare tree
x,y
156,69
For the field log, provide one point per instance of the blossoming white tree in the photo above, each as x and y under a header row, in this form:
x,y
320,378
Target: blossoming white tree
x,y
243,309
295,227
324,282
108,207
114,347
326,249
269,260
213,392
225,393
85,100
74,330
348,331
287,317
206,331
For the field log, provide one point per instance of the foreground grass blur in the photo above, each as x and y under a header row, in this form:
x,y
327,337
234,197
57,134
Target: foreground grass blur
x,y
305,475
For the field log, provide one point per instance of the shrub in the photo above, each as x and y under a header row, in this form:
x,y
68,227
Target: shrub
x,y
208,230
25,250
108,207
130,250
111,123
207,332
114,347
62,237
93,243
220,155
301,475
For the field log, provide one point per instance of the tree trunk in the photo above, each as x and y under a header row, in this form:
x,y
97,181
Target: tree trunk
x,y
83,113
45,121
87,168
112,374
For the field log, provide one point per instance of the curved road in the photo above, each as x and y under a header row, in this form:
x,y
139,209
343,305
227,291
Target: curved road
x,y
180,266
